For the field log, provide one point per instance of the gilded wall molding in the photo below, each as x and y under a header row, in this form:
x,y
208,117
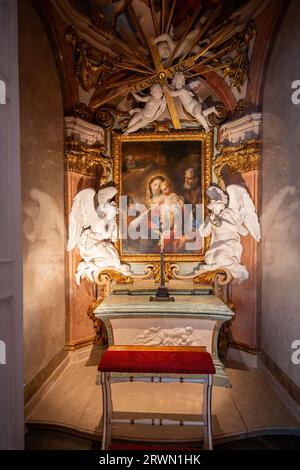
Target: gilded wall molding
x,y
240,159
85,159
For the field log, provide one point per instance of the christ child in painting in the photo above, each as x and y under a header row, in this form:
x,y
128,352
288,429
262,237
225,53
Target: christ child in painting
x,y
171,215
168,196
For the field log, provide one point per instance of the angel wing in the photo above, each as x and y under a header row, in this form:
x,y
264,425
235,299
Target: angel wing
x,y
80,216
199,87
193,85
106,194
242,205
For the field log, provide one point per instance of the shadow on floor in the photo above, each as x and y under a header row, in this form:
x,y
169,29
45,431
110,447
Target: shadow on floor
x,y
55,440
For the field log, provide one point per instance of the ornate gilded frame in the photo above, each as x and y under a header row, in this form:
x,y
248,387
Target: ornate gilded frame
x,y
206,177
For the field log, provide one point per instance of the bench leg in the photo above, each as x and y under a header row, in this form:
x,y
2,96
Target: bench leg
x,y
207,395
104,410
109,411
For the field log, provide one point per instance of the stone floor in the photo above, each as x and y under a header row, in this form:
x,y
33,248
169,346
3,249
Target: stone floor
x,y
37,439
249,408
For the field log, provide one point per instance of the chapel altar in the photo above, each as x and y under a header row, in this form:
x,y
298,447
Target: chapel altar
x,y
193,319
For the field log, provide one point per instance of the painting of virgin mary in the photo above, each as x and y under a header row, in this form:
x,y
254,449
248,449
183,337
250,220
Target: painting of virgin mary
x,y
164,179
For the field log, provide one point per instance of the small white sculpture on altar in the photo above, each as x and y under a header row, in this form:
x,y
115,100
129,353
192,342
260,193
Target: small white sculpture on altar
x,y
189,102
157,336
92,229
154,107
232,214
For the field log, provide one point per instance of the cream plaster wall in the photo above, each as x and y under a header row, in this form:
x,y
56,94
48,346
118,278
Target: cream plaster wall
x,y
42,195
280,320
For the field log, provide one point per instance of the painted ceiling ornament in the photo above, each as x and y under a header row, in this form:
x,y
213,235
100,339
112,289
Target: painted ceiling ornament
x,y
232,214
93,229
144,42
91,68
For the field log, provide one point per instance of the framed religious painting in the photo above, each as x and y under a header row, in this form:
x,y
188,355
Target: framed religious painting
x,y
162,181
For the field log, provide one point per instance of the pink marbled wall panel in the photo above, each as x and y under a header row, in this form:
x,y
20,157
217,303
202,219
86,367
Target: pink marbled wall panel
x,y
79,326
244,296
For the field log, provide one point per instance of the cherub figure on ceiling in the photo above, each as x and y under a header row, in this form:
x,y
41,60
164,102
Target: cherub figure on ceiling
x,y
154,107
189,102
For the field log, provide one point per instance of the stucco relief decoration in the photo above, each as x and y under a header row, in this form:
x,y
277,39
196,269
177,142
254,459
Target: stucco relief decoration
x,y
232,214
93,229
148,60
178,336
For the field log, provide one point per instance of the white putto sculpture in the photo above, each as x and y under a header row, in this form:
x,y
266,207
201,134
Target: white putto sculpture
x,y
154,107
188,100
93,228
232,214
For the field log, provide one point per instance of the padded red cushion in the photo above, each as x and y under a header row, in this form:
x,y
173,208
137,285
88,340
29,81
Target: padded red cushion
x,y
173,362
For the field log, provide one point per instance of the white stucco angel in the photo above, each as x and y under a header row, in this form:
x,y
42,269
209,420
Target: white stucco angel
x,y
154,107
189,101
93,228
232,214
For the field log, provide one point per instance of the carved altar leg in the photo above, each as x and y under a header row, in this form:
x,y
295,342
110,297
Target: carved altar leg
x,y
207,395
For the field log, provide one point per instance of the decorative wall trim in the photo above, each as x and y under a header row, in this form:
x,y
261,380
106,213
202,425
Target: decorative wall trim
x,y
78,129
242,357
293,407
35,384
244,347
84,354
240,159
282,379
80,344
241,129
86,159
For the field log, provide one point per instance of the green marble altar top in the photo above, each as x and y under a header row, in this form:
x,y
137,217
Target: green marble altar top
x,y
131,305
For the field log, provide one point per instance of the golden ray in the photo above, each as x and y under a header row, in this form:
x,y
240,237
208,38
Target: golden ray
x,y
208,70
186,31
163,14
212,44
128,66
170,16
207,25
136,23
100,101
134,44
127,82
211,20
120,51
129,37
153,14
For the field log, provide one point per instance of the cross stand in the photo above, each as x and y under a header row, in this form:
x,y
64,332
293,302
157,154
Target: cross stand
x,y
162,293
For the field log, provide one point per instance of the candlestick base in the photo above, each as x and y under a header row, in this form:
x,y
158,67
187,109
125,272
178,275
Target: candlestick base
x,y
162,295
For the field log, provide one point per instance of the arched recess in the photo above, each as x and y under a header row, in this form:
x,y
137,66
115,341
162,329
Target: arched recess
x,y
42,173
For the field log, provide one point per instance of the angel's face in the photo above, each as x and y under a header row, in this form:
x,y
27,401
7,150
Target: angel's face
x,y
178,80
109,209
164,50
216,207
